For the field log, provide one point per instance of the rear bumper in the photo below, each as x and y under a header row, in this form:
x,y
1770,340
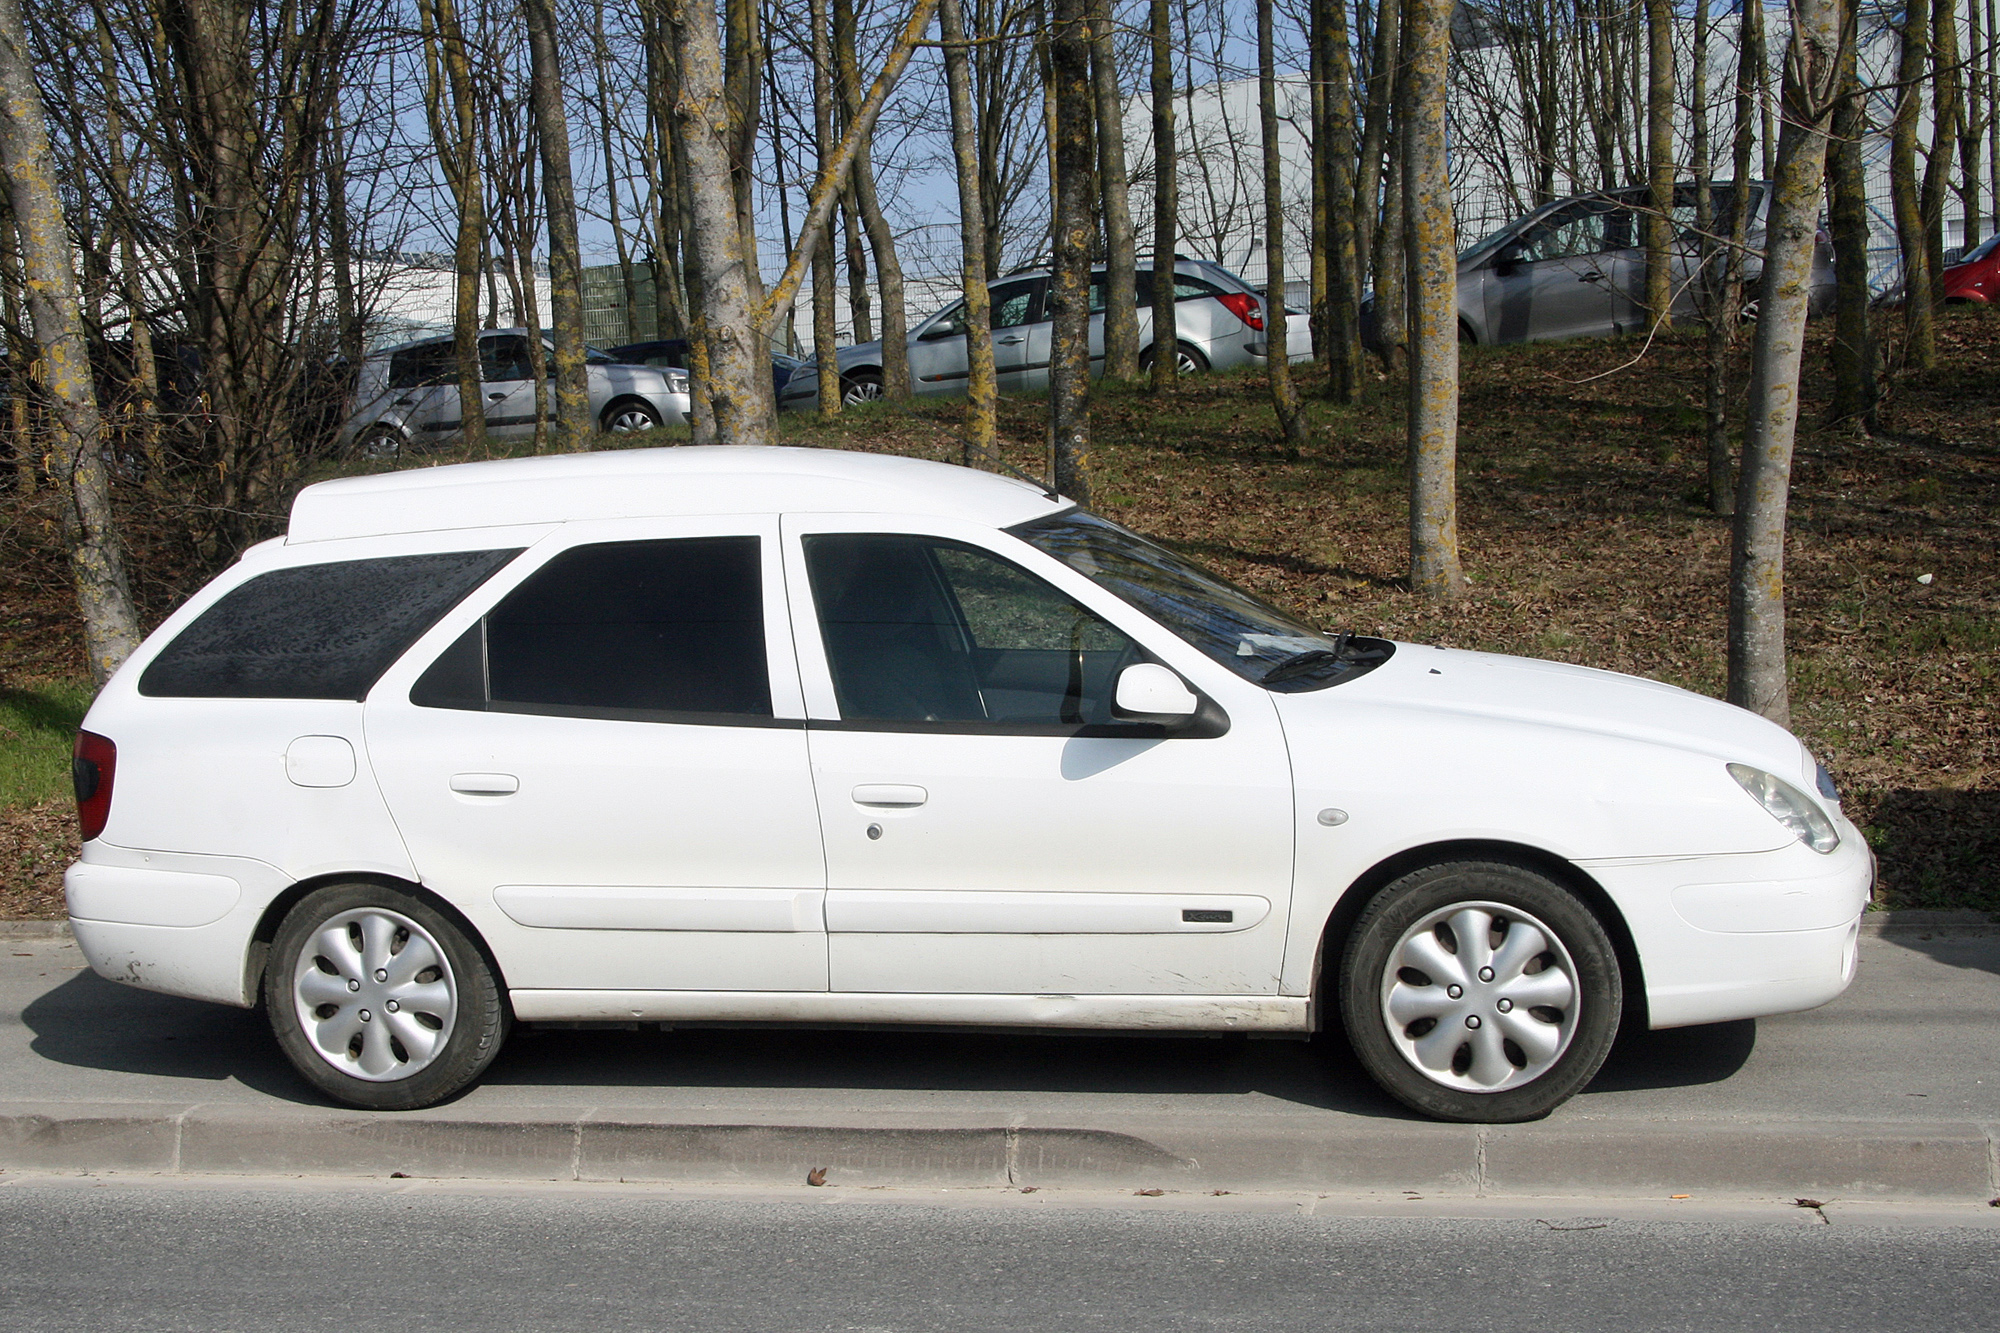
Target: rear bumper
x,y
169,922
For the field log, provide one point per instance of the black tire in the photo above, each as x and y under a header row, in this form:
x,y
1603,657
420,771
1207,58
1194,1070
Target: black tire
x,y
1188,361
628,416
367,1050
861,386
1397,1014
380,443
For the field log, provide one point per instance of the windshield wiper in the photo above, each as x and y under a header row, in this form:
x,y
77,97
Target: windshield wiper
x,y
1343,653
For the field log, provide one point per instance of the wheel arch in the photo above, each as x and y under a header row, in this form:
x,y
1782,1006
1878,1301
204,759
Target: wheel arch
x,y
257,956
604,417
1340,922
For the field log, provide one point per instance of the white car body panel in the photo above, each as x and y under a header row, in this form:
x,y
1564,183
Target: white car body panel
x,y
684,873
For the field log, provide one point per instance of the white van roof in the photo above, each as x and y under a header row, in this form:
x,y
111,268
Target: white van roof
x,y
653,483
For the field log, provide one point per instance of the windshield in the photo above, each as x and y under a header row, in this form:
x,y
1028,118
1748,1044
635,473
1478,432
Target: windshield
x,y
1983,249
1250,637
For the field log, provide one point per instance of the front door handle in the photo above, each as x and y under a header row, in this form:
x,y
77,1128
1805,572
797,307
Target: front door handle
x,y
485,784
1592,276
1010,341
496,397
890,795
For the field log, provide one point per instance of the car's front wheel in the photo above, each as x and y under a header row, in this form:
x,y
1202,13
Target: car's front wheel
x,y
628,415
380,1000
863,386
1187,361
1480,991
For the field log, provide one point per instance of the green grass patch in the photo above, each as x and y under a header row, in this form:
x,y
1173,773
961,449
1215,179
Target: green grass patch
x,y
37,728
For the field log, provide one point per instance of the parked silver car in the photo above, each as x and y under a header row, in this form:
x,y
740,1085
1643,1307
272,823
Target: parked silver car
x,y
407,396
1219,321
1576,268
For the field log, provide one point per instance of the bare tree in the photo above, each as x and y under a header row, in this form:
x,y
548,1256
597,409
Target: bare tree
x,y
449,101
1853,350
76,458
881,242
572,424
825,285
982,381
1658,218
1166,199
1920,338
1335,318
1121,299
1433,294
1069,284
1757,672
1284,393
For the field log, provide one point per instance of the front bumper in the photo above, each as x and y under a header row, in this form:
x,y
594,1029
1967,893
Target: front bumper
x,y
1744,936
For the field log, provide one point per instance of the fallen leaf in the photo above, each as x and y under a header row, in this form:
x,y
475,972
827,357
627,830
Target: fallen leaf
x,y
1150,1194
816,1176
1809,1203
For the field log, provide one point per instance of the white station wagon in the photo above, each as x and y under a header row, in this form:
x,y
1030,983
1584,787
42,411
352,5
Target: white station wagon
x,y
721,735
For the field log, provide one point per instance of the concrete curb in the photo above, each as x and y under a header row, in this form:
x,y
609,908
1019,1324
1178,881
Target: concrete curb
x,y
1825,1160
34,930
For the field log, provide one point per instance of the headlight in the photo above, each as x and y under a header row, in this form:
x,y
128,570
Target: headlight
x,y
677,380
1789,806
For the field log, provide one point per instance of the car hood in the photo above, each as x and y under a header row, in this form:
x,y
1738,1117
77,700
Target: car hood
x,y
1532,692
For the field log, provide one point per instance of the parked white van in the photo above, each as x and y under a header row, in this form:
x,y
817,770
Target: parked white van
x,y
797,736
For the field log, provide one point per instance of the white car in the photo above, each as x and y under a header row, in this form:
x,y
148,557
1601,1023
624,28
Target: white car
x,y
796,736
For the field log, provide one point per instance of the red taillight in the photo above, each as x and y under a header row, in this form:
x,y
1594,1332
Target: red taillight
x,y
1244,306
95,764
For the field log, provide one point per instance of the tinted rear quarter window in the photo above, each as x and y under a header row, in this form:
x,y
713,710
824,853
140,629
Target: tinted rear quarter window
x,y
315,631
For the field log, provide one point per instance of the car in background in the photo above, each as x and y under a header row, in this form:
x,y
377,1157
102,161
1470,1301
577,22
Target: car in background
x,y
1576,268
673,352
406,396
1975,277
1219,321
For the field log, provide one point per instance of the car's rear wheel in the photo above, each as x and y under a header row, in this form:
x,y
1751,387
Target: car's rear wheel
x,y
1187,361
1480,991
380,1000
381,443
862,386
628,415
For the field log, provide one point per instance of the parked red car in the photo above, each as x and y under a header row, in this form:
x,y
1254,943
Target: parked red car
x,y
1976,276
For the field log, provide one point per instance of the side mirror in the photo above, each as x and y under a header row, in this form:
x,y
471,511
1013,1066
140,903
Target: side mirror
x,y
1147,691
1509,257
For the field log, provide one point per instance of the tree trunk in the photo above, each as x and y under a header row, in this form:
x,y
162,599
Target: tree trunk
x,y
1920,337
1978,103
1717,319
1372,202
1432,250
1121,259
572,424
606,132
881,241
1166,202
982,399
1392,312
743,91
449,98
76,455
1658,227
1721,459
826,331
1847,210
1069,286
1948,109
1284,393
1757,676
725,324
1334,337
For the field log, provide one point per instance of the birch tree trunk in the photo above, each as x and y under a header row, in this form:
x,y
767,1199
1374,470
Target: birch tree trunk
x,y
1166,201
982,393
1121,260
1757,675
1069,285
76,453
1284,393
1433,295
572,423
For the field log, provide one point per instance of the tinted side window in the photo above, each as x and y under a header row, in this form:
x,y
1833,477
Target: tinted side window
x,y
626,629
505,358
1014,304
922,630
316,631
415,367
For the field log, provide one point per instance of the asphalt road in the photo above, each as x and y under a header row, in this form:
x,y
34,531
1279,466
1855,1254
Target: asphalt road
x,y
1915,1039
211,1255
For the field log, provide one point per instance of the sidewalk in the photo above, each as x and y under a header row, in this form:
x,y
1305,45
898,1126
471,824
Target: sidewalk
x,y
1891,1092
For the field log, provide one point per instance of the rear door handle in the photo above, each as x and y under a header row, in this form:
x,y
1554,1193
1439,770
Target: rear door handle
x,y
890,795
485,784
1592,276
496,397
1010,341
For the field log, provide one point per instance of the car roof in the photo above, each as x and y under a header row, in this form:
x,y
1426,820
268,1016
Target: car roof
x,y
658,483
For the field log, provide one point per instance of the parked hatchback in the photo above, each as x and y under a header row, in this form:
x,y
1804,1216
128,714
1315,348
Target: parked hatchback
x,y
1219,321
1576,268
1975,276
407,396
738,735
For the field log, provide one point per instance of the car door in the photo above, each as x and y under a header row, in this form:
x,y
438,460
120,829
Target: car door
x,y
1020,335
507,385
1553,283
423,388
603,764
990,827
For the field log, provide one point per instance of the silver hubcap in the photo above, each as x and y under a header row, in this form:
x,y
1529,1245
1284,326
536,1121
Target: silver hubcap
x,y
629,419
1480,997
862,391
375,995
1185,363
